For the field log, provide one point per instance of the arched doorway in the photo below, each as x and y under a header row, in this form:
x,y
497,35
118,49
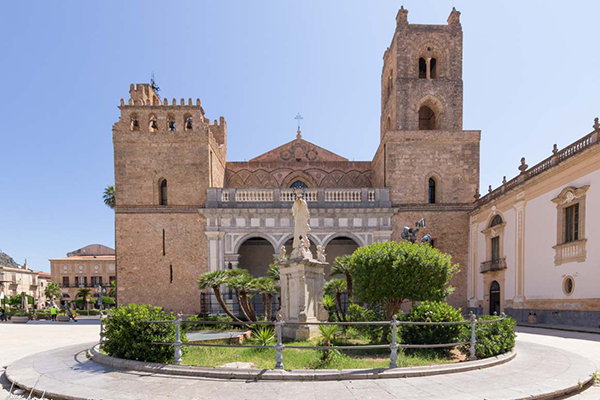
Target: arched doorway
x,y
495,298
338,246
255,256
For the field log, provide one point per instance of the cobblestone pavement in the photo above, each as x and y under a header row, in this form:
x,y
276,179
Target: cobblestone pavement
x,y
536,367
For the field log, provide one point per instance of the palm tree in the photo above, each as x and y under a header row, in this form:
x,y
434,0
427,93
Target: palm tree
x,y
337,287
215,280
267,289
52,291
240,281
112,292
109,196
341,266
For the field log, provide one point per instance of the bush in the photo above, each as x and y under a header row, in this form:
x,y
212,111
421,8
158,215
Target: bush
x,y
357,313
187,327
392,273
129,335
433,311
263,335
15,301
81,302
493,338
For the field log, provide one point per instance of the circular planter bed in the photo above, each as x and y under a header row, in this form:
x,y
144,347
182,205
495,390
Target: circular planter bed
x,y
62,318
19,319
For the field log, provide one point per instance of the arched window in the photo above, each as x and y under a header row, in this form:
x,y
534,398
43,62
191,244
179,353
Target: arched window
x,y
170,123
496,221
153,124
427,120
433,68
299,184
135,123
162,190
431,191
422,68
188,123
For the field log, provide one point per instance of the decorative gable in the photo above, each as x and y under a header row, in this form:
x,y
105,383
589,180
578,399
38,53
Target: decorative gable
x,y
298,150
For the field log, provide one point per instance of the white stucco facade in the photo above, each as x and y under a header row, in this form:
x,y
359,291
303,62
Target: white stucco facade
x,y
544,261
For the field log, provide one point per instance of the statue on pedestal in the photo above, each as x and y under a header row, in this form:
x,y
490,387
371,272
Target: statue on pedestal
x,y
301,225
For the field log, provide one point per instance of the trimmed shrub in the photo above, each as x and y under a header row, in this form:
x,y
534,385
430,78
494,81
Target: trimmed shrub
x,y
81,302
108,301
494,338
433,311
128,333
357,313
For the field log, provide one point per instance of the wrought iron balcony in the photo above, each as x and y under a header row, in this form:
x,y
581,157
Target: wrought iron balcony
x,y
493,265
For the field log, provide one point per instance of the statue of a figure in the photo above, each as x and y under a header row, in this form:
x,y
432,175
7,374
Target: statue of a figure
x,y
304,249
321,256
282,254
301,218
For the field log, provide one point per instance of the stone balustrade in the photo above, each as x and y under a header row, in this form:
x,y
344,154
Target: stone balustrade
x,y
493,265
282,198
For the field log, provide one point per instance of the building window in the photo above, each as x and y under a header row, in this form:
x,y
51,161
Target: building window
x,y
427,120
431,191
188,123
135,123
433,68
422,68
495,242
170,123
162,190
299,184
568,286
153,124
65,282
572,223
496,221
111,279
96,281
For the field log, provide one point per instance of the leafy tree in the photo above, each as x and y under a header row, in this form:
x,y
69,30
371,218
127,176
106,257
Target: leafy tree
x,y
112,292
52,291
336,287
108,301
341,266
214,280
15,301
81,301
109,196
84,292
392,273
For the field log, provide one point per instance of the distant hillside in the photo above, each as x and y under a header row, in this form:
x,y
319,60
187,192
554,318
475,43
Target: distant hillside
x,y
7,260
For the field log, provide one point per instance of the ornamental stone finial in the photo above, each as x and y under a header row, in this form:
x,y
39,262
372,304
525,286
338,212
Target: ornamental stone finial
x,y
596,125
555,149
523,167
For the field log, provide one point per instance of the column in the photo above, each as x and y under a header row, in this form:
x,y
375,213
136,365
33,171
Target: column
x,y
519,298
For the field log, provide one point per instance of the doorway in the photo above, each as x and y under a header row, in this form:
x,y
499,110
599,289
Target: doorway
x,y
495,298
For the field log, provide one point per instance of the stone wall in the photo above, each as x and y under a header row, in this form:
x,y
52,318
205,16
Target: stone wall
x,y
145,271
450,231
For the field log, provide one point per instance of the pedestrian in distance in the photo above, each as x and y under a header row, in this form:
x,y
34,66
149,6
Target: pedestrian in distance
x,y
53,313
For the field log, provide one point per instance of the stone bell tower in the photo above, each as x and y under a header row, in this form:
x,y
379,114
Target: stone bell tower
x,y
426,159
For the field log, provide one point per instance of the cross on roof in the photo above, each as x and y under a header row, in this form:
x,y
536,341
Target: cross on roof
x,y
298,118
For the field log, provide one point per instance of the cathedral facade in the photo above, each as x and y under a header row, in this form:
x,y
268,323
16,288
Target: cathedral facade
x,y
183,209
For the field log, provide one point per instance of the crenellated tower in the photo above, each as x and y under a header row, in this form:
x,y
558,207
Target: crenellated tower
x,y
166,154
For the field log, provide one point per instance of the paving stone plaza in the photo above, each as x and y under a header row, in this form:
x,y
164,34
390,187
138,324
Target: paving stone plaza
x,y
53,357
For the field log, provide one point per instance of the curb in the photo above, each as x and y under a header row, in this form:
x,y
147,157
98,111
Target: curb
x,y
296,374
558,328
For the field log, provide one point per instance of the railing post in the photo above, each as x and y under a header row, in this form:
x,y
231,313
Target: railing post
x,y
279,346
178,342
101,329
394,344
472,356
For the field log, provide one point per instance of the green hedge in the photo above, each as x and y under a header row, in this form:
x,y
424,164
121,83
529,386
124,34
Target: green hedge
x,y
493,338
357,313
433,311
128,333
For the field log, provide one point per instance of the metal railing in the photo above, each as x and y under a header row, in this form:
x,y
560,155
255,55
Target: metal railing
x,y
280,323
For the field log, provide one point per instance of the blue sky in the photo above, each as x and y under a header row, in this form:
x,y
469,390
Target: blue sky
x,y
530,78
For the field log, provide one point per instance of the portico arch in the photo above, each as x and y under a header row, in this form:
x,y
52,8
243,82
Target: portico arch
x,y
255,255
268,238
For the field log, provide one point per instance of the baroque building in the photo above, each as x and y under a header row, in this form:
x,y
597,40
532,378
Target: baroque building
x,y
534,251
183,209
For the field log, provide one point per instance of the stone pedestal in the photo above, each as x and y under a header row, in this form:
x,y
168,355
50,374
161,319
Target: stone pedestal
x,y
302,283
